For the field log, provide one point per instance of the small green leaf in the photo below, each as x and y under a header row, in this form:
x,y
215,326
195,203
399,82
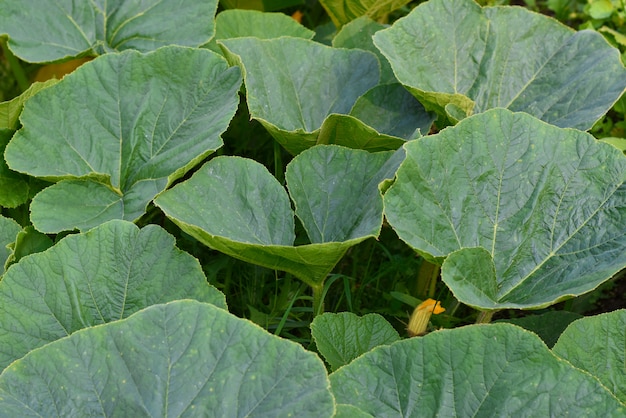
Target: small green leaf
x,y
14,189
526,213
619,143
10,111
459,59
8,233
119,130
183,358
600,9
41,32
342,337
479,370
596,344
103,275
28,241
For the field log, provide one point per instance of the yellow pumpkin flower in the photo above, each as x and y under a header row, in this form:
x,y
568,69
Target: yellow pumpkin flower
x,y
421,315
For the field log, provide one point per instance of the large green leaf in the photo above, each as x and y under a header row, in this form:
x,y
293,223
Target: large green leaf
x,y
526,213
342,337
40,30
343,11
481,371
326,180
358,34
236,206
119,130
103,275
289,87
181,359
8,233
502,57
596,345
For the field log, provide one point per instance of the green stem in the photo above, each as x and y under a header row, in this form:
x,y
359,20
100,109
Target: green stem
x,y
16,68
427,279
318,299
484,317
279,170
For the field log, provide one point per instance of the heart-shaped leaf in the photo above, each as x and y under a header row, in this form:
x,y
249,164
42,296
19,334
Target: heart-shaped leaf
x,y
526,213
289,89
40,31
596,344
119,130
481,370
342,337
99,276
502,57
237,207
184,358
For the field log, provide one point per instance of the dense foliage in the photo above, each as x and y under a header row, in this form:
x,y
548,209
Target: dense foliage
x,y
371,182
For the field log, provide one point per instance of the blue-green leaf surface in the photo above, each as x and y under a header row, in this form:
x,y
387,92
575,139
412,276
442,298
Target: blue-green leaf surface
x,y
596,344
358,35
236,206
324,181
41,31
525,214
502,57
181,359
119,130
294,84
479,371
103,275
344,336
